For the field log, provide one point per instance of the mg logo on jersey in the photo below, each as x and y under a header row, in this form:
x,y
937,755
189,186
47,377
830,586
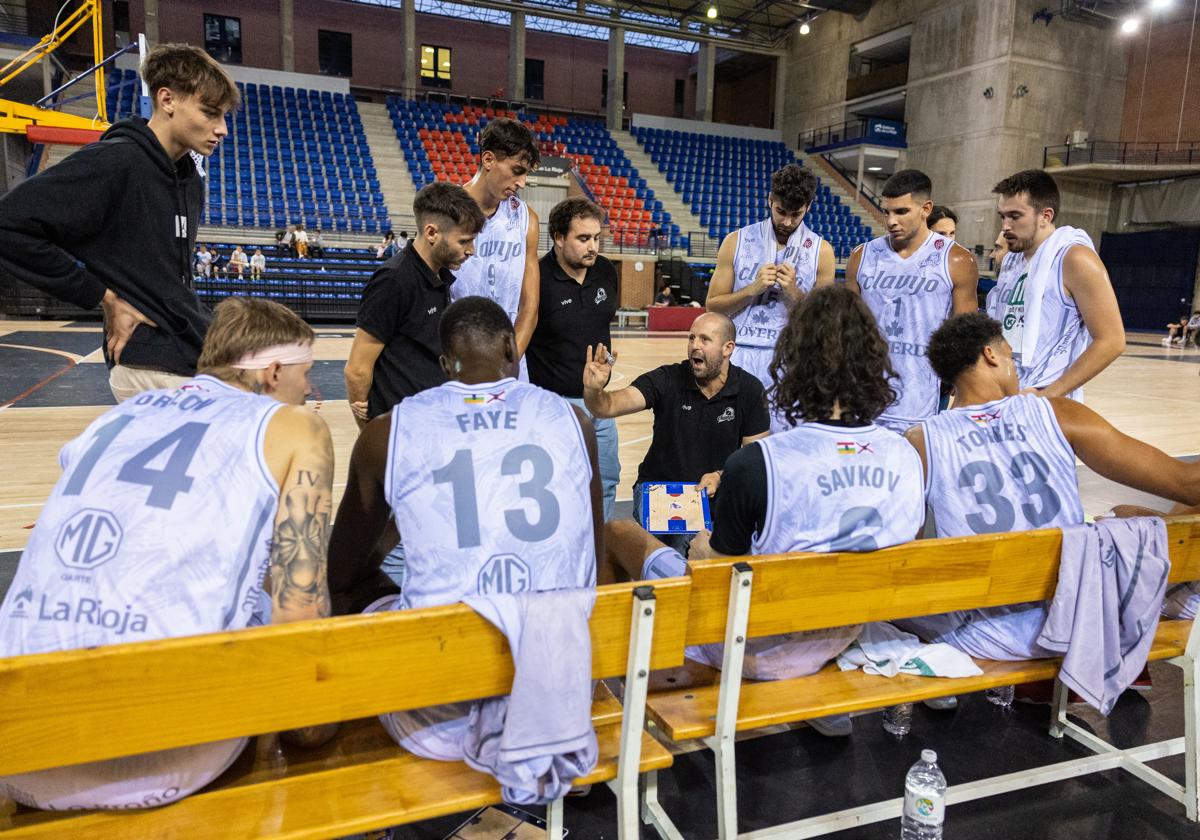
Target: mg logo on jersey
x,y
504,573
726,415
88,539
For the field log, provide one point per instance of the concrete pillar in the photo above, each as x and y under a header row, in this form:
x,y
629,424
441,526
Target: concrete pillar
x,y
616,77
410,70
287,35
150,24
705,70
862,162
516,57
781,66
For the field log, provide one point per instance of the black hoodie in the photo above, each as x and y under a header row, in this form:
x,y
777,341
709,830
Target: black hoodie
x,y
118,214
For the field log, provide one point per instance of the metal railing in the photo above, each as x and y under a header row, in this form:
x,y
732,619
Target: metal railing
x,y
856,129
1122,154
866,192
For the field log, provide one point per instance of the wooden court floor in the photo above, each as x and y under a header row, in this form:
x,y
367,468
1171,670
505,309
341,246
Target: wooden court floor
x,y
57,384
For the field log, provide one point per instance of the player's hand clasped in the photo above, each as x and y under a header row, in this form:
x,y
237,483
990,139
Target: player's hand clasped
x,y
599,367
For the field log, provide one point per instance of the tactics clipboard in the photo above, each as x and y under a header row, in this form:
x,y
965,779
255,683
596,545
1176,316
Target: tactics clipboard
x,y
674,508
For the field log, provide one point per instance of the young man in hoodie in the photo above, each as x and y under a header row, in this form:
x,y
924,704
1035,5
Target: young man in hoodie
x,y
115,223
1052,294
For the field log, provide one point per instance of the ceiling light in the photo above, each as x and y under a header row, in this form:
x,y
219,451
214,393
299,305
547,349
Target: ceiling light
x,y
874,168
712,13
1159,5
1130,25
805,28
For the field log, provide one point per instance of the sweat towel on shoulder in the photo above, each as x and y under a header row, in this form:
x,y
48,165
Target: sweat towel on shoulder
x,y
540,738
1111,580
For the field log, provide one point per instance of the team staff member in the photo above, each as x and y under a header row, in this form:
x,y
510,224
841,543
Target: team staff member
x,y
578,302
704,407
396,346
114,224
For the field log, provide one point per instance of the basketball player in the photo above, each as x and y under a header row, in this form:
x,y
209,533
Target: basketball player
x,y
1002,461
943,220
834,482
1078,330
175,512
505,265
494,484
912,279
765,269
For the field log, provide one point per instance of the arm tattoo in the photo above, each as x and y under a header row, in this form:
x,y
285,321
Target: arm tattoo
x,y
300,543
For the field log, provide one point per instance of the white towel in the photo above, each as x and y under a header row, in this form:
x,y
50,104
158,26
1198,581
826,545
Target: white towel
x,y
540,738
769,252
1037,283
1111,579
886,651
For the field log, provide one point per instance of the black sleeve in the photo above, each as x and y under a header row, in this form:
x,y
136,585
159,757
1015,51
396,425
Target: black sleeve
x,y
653,383
384,304
741,507
756,418
40,217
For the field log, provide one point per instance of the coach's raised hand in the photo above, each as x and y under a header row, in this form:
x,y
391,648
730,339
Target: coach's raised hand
x,y
120,320
597,370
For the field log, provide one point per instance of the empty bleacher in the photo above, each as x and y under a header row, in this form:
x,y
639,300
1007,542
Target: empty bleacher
x,y
293,155
725,180
439,142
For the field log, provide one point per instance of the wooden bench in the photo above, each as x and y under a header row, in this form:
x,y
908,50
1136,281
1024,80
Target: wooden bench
x,y
734,600
87,705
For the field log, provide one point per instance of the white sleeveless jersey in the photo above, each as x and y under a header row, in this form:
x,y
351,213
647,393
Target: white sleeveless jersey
x,y
160,525
910,299
497,268
1000,467
1062,337
832,488
759,324
490,485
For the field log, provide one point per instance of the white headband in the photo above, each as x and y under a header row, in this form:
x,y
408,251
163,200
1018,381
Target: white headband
x,y
286,354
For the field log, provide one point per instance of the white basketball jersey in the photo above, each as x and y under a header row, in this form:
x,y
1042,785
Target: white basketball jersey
x,y
1000,467
1062,337
490,485
497,268
833,488
160,525
910,299
759,324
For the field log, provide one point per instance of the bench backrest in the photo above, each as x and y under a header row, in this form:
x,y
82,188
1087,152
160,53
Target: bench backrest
x,y
85,705
799,592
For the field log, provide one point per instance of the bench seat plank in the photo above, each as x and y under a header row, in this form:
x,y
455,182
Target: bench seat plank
x,y
358,782
689,711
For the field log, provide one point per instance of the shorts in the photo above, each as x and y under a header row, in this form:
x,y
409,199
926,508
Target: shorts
x,y
125,381
1005,634
116,784
757,362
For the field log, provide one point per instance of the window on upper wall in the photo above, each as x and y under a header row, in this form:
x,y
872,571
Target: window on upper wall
x,y
333,53
679,97
435,66
120,22
223,38
535,78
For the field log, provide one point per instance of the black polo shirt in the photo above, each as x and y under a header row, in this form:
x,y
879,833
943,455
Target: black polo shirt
x,y
401,306
693,435
571,316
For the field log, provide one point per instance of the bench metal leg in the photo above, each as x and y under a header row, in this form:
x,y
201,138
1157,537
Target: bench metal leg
x,y
653,814
722,742
633,715
1058,709
554,820
1191,716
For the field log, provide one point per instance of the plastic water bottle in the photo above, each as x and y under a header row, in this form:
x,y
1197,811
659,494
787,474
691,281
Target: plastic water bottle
x,y
1001,695
898,719
924,800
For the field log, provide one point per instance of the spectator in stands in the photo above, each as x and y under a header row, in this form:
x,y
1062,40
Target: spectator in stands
x,y
316,248
220,263
300,240
258,264
402,242
578,300
386,249
202,262
665,298
943,220
90,229
238,261
396,347
289,241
